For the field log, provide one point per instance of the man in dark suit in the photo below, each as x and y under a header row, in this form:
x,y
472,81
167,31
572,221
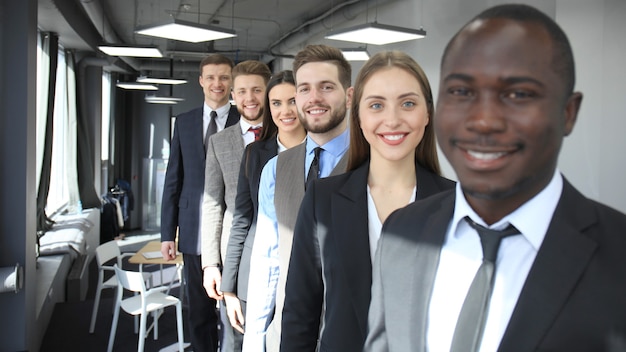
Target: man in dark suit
x,y
183,189
506,102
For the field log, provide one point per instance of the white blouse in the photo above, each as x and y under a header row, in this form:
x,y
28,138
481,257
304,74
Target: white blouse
x,y
373,222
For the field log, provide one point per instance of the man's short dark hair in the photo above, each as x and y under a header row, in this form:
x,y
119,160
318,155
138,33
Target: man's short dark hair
x,y
563,58
216,59
252,67
325,53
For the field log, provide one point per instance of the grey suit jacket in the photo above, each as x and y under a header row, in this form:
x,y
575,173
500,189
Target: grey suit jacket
x,y
236,269
572,300
223,159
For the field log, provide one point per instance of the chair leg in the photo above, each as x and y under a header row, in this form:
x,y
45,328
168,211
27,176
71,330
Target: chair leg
x,y
179,326
136,320
116,316
142,331
182,281
155,324
94,312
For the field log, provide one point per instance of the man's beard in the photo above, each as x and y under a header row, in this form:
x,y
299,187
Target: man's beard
x,y
255,118
336,117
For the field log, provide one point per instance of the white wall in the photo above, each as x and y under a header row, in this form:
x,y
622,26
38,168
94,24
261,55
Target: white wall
x,y
593,156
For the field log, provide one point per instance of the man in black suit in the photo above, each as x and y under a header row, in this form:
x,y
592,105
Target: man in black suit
x,y
506,102
184,187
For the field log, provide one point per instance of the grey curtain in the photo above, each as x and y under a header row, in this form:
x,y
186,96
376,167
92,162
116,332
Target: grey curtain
x,y
43,222
84,143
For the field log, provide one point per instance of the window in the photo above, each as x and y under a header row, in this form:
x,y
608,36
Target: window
x,y
63,189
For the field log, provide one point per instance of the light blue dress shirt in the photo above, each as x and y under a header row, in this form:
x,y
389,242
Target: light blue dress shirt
x,y
264,266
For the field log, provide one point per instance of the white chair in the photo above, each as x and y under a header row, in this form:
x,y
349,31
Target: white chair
x,y
147,301
106,253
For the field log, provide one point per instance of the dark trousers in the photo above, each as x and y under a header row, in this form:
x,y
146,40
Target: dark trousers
x,y
202,314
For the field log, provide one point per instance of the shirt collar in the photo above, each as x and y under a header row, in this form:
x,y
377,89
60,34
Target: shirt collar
x,y
282,147
221,111
532,219
245,125
336,146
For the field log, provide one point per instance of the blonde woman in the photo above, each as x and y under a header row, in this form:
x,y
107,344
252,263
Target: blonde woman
x,y
392,162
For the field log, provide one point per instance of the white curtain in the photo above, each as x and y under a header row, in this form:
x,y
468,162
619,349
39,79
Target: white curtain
x,y
72,167
58,195
63,177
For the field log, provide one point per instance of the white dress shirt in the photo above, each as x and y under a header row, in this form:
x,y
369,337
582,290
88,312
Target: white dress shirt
x,y
246,134
264,261
461,255
222,116
374,225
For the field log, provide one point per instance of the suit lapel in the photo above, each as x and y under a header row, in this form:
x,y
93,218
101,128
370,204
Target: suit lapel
x,y
560,262
426,183
268,151
198,129
233,116
424,269
236,140
341,166
352,238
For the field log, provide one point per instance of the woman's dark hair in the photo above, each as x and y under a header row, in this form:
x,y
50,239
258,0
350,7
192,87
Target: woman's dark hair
x,y
269,127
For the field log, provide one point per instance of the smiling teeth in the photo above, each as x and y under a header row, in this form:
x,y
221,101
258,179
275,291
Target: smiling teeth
x,y
316,111
393,137
485,156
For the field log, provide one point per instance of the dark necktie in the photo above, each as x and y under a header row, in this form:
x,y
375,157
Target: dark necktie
x,y
257,131
469,328
314,169
210,131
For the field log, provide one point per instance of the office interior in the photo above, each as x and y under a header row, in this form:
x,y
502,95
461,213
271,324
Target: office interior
x,y
591,158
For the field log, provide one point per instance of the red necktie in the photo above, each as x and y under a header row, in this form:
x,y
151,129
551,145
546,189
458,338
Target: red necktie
x,y
257,132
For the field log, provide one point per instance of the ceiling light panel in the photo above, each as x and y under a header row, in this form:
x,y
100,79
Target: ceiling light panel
x,y
186,31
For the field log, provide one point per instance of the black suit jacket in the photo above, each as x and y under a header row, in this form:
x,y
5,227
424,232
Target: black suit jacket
x,y
184,180
237,261
572,300
331,263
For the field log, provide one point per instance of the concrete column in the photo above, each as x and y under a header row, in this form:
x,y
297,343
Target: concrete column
x,y
18,69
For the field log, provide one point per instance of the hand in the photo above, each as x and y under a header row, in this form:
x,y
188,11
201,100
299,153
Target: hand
x,y
168,250
233,309
212,281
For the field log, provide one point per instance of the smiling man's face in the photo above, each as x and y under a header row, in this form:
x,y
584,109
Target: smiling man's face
x,y
503,111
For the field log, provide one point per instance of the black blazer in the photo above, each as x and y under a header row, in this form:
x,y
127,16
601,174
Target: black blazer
x,y
572,300
184,180
237,261
331,263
